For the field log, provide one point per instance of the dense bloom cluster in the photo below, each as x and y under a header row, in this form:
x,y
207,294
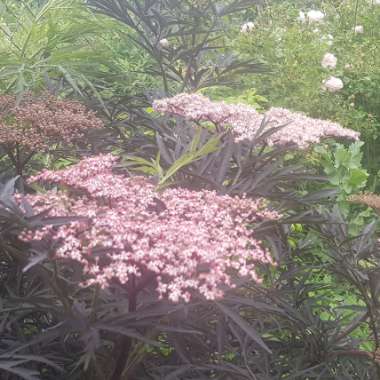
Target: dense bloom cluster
x,y
329,61
359,29
333,84
245,121
192,241
315,16
36,123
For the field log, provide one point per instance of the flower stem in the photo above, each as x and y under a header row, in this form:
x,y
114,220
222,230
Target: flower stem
x,y
125,345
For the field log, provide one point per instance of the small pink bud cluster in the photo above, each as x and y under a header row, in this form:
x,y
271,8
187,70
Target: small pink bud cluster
x,y
244,121
191,241
37,123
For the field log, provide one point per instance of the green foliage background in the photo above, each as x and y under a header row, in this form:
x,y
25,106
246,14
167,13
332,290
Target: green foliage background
x,y
294,52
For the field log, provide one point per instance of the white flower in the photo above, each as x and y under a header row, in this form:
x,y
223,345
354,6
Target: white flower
x,y
359,29
164,43
247,27
315,16
333,84
329,61
348,66
302,17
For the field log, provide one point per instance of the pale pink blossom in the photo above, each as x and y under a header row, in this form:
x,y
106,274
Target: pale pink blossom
x,y
333,84
329,61
244,121
190,241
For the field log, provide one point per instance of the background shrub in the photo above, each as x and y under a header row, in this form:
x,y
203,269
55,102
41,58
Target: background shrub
x,y
294,51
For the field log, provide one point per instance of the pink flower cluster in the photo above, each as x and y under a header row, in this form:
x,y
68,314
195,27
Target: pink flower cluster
x,y
191,241
245,121
37,123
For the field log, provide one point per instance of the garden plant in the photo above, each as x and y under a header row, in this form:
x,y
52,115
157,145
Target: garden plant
x,y
188,190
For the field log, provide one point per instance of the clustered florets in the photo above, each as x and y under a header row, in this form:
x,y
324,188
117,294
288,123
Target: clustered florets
x,y
244,121
192,241
315,16
333,84
329,61
37,123
368,199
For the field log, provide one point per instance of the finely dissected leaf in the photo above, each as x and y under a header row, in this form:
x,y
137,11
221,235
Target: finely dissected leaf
x,y
127,332
366,235
141,164
59,221
320,195
180,371
191,156
13,364
172,329
195,27
226,161
70,79
22,373
7,190
180,346
192,153
36,47
35,260
255,304
164,152
249,330
35,358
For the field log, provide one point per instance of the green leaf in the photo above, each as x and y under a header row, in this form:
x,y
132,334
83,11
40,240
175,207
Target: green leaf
x,y
70,79
193,154
342,157
358,178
